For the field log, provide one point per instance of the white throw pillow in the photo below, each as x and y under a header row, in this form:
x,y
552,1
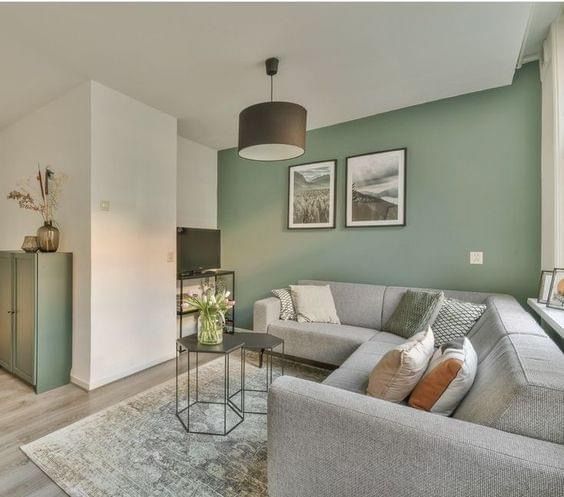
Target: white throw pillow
x,y
448,378
314,304
397,373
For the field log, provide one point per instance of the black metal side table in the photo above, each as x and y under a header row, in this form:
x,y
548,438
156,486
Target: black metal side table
x,y
261,342
190,344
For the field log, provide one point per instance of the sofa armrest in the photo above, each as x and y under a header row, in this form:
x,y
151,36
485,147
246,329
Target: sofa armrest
x,y
265,311
328,442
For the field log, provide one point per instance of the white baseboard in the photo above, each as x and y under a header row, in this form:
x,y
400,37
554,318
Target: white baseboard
x,y
97,383
75,380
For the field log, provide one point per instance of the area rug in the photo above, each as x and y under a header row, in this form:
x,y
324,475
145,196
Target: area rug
x,y
139,448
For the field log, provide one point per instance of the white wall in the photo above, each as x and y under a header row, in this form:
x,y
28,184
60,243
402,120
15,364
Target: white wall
x,y
134,154
116,149
196,185
57,134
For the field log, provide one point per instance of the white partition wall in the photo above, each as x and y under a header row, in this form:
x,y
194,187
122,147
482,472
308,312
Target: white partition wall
x,y
133,174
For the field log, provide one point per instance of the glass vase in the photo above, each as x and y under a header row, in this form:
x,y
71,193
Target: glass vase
x,y
48,237
210,329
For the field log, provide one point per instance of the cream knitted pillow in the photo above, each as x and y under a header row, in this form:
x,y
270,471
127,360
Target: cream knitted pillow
x,y
314,304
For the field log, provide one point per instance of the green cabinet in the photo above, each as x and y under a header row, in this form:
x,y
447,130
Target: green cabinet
x,y
36,317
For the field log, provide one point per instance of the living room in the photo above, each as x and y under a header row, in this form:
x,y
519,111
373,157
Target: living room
x,y
281,249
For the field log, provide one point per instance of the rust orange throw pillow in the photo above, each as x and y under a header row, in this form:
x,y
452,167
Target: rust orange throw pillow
x,y
448,378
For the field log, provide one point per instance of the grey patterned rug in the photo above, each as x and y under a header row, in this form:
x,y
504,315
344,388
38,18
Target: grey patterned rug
x,y
138,448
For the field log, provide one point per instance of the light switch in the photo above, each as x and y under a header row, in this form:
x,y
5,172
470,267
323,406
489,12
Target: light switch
x,y
105,205
170,257
476,257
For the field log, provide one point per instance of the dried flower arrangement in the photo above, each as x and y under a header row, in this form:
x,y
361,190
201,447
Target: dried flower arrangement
x,y
40,193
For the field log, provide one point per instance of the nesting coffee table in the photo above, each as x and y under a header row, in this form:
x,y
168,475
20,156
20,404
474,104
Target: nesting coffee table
x,y
261,342
241,341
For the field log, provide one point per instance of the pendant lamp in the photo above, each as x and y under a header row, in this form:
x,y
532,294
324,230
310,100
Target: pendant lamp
x,y
272,131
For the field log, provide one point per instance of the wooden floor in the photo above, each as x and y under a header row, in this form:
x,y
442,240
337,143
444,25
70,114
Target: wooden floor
x,y
25,416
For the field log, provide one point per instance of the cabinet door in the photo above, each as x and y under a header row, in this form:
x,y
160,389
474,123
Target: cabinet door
x,y
24,336
6,309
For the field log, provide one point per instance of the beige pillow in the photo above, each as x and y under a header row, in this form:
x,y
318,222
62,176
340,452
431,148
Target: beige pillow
x,y
314,304
397,373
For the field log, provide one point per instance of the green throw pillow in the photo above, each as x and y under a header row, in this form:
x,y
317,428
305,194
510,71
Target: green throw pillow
x,y
415,312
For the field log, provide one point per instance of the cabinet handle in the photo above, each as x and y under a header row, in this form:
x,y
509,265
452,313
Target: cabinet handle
x,y
11,312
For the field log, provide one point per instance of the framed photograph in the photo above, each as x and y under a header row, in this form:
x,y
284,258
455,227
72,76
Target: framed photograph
x,y
311,195
376,189
544,287
556,295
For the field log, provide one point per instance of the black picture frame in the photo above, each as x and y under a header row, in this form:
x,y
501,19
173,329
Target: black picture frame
x,y
402,190
557,279
331,224
541,298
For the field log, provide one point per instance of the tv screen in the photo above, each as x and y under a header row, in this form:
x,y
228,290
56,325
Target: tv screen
x,y
197,250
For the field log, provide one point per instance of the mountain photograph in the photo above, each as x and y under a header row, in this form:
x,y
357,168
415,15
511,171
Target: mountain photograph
x,y
311,204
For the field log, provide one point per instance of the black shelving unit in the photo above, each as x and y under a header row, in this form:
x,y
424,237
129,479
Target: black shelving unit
x,y
216,276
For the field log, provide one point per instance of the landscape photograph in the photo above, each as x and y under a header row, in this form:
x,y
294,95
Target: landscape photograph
x,y
376,189
312,196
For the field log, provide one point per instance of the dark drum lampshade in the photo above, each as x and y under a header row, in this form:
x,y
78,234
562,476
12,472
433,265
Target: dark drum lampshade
x,y
272,131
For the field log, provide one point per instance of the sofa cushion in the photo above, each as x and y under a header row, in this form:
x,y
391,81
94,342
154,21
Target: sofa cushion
x,y
396,374
353,373
448,378
322,342
455,320
287,311
357,304
519,387
415,313
314,304
393,295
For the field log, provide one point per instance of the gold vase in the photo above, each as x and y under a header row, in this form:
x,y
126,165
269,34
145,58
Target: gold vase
x,y
30,244
48,237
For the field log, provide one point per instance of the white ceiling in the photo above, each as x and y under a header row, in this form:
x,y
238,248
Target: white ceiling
x,y
203,63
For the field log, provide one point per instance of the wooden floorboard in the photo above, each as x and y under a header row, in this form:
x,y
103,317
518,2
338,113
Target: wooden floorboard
x,y
25,416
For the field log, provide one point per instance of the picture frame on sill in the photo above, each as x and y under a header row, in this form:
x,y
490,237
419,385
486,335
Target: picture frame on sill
x,y
311,195
556,295
376,189
544,286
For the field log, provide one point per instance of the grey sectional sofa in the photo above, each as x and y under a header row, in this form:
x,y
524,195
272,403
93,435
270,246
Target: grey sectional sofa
x,y
505,439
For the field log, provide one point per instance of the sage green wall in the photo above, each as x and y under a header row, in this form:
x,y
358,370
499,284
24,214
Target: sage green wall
x,y
473,183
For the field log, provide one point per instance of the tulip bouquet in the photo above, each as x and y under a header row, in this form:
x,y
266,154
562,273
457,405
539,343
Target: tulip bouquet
x,y
213,307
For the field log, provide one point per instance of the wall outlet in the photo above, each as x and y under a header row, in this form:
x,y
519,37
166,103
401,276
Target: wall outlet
x,y
105,205
170,257
476,257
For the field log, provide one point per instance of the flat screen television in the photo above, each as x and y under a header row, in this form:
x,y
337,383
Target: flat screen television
x,y
197,250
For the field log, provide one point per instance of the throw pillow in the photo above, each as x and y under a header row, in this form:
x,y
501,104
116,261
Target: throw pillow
x,y
448,378
314,304
416,311
397,373
455,320
287,311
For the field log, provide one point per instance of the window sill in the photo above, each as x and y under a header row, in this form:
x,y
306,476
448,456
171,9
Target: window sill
x,y
551,317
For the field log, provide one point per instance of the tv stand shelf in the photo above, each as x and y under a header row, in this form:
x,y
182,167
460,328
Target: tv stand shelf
x,y
207,275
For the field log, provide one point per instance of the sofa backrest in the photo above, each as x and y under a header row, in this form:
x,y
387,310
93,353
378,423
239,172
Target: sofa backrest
x,y
357,304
